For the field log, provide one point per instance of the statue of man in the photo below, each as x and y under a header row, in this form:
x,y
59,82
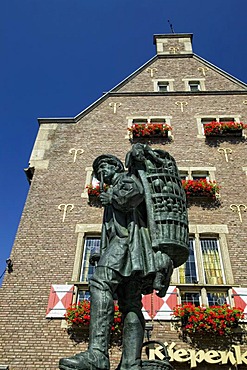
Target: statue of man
x,y
127,267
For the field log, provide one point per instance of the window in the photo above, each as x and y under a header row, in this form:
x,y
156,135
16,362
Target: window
x,y
91,246
206,120
148,130
212,265
201,121
200,175
89,178
218,119
188,271
140,121
163,86
91,188
83,295
194,85
205,297
196,173
206,277
217,298
190,297
88,243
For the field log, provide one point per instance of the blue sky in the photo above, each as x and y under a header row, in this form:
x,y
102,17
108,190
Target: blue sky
x,y
59,56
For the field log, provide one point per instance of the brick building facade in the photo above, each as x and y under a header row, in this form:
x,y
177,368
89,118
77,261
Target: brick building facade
x,y
175,88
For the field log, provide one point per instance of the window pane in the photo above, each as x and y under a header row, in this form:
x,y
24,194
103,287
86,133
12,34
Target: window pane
x,y
194,85
217,298
213,271
163,86
157,120
226,119
187,272
183,175
91,246
198,176
189,297
139,121
83,295
207,120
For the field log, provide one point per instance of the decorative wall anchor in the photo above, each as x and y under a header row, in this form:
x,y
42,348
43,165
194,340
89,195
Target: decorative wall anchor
x,y
115,106
151,70
239,208
65,207
75,151
226,151
174,49
203,70
182,104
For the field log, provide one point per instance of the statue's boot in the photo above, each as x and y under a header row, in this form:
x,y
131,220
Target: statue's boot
x,y
133,334
96,357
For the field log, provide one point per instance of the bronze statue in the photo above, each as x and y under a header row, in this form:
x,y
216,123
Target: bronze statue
x,y
144,236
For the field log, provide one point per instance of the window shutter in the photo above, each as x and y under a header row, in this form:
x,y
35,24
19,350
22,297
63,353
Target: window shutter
x,y
157,308
59,300
240,299
169,302
147,306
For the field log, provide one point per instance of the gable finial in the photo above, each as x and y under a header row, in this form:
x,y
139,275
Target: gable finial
x,y
171,26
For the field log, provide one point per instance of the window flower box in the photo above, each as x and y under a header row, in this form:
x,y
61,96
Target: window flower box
x,y
224,129
150,130
93,194
78,317
201,188
214,320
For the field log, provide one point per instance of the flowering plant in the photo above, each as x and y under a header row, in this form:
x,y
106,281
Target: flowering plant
x,y
217,320
201,187
78,314
219,128
150,129
95,189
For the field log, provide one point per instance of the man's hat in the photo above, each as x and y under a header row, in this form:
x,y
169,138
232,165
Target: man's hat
x,y
111,159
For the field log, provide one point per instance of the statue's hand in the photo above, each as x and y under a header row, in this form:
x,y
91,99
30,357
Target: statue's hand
x,y
105,198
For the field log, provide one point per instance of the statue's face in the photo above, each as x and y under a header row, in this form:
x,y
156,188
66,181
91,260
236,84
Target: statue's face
x,y
138,153
107,170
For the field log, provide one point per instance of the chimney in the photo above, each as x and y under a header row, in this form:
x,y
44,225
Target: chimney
x,y
173,43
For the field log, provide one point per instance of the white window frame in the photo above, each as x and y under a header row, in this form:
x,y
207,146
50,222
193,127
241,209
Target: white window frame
x,y
189,171
88,181
199,119
168,81
148,120
200,80
207,231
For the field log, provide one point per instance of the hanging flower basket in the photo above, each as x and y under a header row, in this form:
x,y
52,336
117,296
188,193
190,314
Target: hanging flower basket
x,y
224,128
78,316
214,320
201,188
150,130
